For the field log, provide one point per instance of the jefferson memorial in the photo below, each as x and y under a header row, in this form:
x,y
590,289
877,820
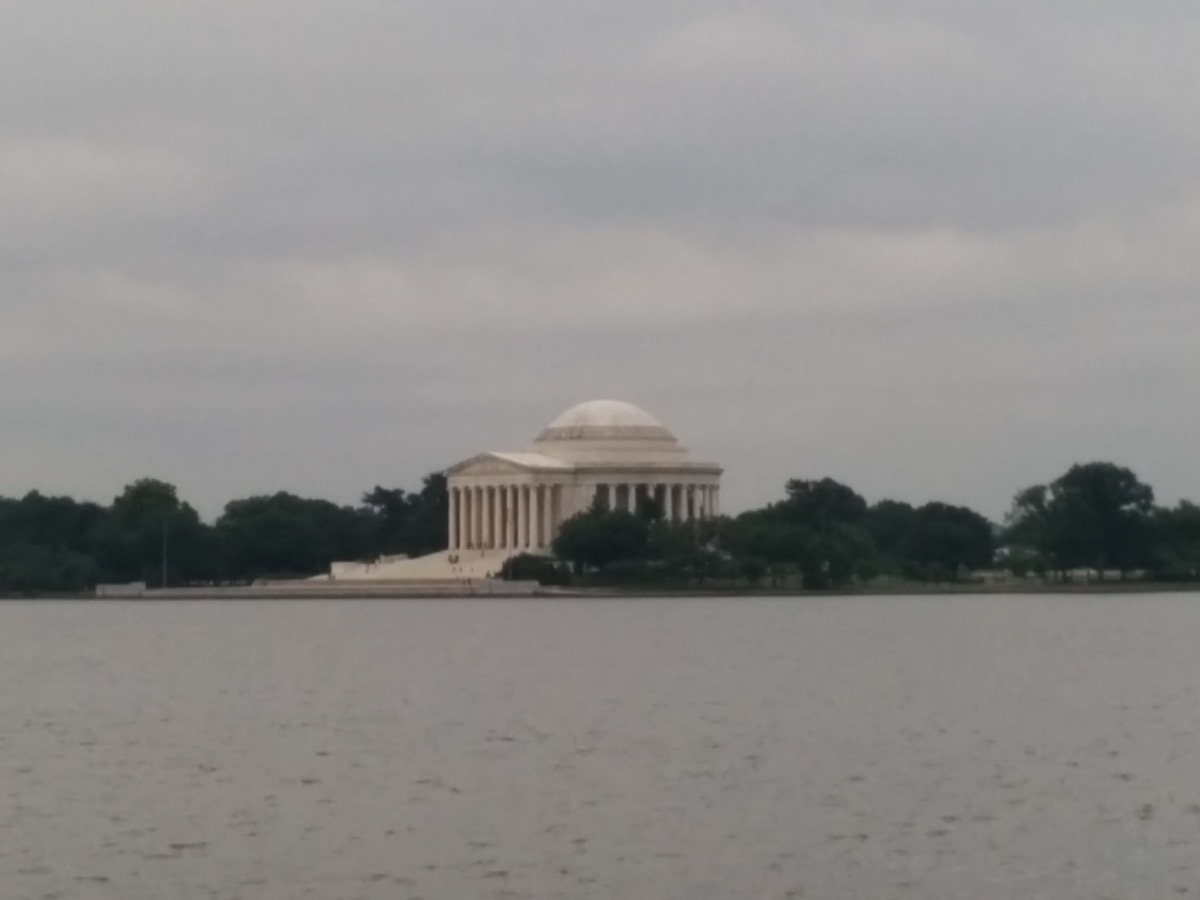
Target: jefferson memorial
x,y
504,503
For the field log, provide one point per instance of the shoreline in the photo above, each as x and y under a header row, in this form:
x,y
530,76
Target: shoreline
x,y
502,590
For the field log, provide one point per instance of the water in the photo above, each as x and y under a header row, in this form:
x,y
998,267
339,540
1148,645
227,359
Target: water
x,y
908,747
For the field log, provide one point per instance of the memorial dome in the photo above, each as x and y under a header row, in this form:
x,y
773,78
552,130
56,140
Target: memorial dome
x,y
605,420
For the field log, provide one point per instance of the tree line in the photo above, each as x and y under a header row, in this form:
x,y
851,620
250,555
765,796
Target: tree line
x,y
1095,520
147,533
821,535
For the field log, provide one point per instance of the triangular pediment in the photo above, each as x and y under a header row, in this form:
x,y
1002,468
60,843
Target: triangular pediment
x,y
497,463
484,464
506,464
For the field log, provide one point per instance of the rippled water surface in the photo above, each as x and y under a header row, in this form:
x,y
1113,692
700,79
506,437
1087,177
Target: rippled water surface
x,y
917,747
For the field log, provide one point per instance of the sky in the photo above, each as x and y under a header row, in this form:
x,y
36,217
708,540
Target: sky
x,y
939,249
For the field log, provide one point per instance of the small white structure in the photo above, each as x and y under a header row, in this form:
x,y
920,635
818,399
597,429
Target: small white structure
x,y
506,503
604,450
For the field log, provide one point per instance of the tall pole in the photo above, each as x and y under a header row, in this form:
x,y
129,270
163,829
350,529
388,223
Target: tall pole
x,y
164,554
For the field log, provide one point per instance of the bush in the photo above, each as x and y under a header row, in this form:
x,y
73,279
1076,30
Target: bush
x,y
528,567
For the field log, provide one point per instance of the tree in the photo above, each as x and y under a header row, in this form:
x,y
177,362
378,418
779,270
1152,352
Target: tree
x,y
820,504
1097,515
946,540
1100,514
430,522
283,535
596,539
1177,542
147,525
888,522
531,567
390,514
761,535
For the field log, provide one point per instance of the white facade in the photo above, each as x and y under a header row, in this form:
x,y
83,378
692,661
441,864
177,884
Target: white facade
x,y
603,450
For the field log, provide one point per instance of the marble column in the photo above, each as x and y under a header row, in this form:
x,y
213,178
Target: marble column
x,y
495,519
544,518
452,537
522,535
514,498
501,515
468,514
535,517
479,519
485,518
507,516
462,516
480,496
481,514
490,493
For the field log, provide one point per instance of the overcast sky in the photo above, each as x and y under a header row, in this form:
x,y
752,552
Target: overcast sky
x,y
937,249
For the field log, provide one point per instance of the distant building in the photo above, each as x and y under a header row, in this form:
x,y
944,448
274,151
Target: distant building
x,y
602,451
505,503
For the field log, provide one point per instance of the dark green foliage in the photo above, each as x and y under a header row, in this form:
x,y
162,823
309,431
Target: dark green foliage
x,y
58,545
888,522
1177,543
826,564
284,536
820,504
947,541
597,538
529,567
145,520
753,570
1096,515
430,512
821,535
391,513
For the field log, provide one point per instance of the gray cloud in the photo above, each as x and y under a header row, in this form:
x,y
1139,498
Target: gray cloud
x,y
938,251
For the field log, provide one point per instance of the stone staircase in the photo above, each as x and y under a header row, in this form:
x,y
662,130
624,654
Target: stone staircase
x,y
456,566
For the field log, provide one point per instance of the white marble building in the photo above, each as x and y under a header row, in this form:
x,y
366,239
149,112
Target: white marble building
x,y
604,449
505,503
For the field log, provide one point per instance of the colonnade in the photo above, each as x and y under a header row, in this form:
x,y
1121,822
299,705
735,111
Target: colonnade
x,y
527,516
505,517
678,502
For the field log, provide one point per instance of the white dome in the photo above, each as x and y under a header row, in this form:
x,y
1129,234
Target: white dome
x,y
606,414
599,429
